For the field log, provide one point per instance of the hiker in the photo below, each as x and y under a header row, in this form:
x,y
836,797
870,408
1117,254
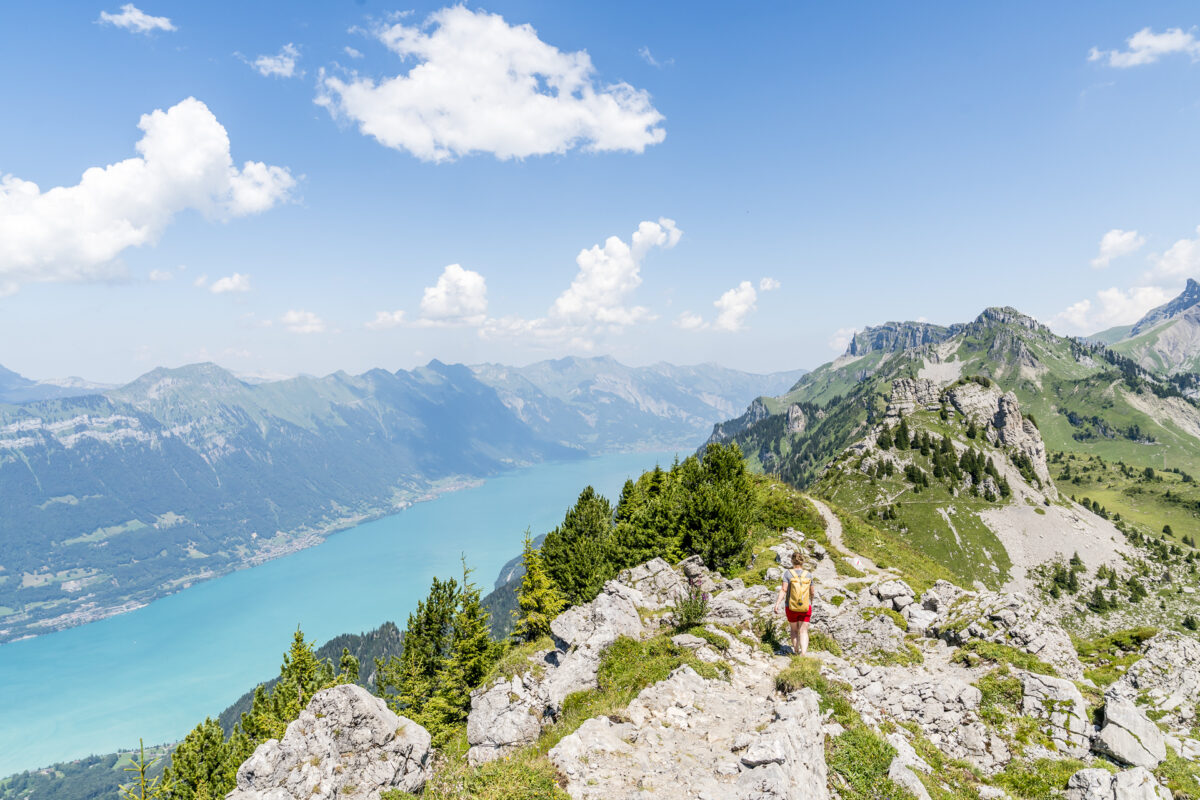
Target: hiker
x,y
800,592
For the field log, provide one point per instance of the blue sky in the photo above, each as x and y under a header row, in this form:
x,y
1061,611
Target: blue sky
x,y
812,168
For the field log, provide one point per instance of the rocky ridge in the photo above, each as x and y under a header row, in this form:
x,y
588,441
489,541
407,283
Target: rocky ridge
x,y
908,665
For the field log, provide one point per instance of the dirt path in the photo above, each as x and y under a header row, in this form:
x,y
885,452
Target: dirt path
x,y
833,530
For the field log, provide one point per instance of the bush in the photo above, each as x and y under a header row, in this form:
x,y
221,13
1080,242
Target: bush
x,y
689,610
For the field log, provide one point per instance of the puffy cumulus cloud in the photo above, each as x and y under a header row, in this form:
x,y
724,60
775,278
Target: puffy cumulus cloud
x,y
768,285
302,322
608,274
280,65
1112,307
134,20
1181,260
73,233
458,298
480,85
840,339
690,322
237,282
159,275
386,319
734,306
350,51
1146,47
1117,243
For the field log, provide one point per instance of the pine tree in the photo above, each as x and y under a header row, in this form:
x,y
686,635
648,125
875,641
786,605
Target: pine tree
x,y
348,667
472,654
201,763
717,504
407,683
575,553
538,598
143,787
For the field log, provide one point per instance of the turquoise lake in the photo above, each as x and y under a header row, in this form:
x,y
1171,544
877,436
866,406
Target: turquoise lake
x,y
156,672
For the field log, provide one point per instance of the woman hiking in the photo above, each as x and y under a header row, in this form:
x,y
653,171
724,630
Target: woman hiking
x,y
799,591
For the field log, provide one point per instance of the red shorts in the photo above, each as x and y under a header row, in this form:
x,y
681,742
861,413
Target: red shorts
x,y
799,616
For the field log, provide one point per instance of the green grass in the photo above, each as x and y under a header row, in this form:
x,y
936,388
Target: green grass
x,y
891,613
861,760
515,660
1106,658
888,548
820,641
1181,776
1045,777
978,650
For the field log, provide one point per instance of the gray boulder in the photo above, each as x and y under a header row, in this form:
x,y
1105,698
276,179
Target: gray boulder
x,y
1058,702
505,717
900,774
890,590
596,625
1100,784
347,742
657,581
1168,675
1129,737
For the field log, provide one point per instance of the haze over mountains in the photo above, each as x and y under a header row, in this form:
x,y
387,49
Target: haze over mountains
x,y
116,498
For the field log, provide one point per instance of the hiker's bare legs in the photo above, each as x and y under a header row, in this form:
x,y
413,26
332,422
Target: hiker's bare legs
x,y
803,635
794,633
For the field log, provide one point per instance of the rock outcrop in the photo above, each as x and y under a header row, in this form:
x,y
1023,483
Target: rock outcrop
x,y
1005,426
1002,618
1168,675
913,394
1100,784
692,737
346,743
1129,737
1060,703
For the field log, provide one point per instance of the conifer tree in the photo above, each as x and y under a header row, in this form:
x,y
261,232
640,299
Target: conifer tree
x,y
408,682
538,598
575,553
716,512
472,654
201,763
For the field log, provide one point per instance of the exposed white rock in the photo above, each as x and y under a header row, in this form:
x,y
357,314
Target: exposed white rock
x,y
596,625
1100,784
1169,675
347,742
1128,736
657,581
1060,703
505,717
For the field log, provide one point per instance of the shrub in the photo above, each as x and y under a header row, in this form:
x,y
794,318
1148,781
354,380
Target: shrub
x,y
690,609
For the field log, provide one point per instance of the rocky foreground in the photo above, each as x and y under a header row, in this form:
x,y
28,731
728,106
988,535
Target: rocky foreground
x,y
963,687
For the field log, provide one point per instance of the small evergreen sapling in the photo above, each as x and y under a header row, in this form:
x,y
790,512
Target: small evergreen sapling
x,y
538,597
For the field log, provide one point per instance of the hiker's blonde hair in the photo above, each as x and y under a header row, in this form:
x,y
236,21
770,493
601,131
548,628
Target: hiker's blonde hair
x,y
798,559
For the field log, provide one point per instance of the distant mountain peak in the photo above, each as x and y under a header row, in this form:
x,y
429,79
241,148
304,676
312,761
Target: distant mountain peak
x,y
895,336
1007,315
1188,298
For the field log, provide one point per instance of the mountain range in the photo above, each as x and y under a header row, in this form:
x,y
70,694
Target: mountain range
x,y
115,498
1166,339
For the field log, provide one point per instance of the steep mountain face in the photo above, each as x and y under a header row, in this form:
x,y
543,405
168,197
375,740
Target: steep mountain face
x,y
893,336
16,388
1167,338
112,500
602,405
1085,398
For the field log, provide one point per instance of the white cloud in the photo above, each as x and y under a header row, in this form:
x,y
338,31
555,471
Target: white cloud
x,y
237,282
768,285
73,233
386,319
158,275
690,322
841,339
458,298
280,65
350,51
134,20
649,58
1117,243
480,85
1146,47
734,306
1112,307
302,322
1181,260
200,282
609,274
